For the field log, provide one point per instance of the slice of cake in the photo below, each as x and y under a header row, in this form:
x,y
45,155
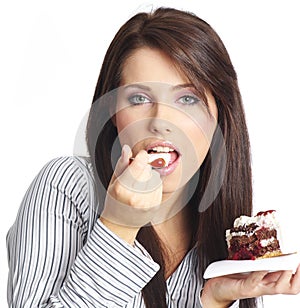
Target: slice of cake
x,y
254,237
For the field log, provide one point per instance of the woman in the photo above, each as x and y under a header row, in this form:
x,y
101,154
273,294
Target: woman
x,y
116,232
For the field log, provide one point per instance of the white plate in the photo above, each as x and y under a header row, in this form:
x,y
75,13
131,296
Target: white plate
x,y
226,267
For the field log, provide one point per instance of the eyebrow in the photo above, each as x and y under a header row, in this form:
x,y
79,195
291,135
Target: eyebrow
x,y
138,85
146,88
184,85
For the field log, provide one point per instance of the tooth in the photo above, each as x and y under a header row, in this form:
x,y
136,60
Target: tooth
x,y
162,149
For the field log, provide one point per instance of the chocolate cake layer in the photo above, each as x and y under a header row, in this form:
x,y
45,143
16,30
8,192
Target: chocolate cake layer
x,y
244,247
253,237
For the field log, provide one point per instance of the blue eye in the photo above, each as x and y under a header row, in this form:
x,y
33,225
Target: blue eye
x,y
188,100
139,99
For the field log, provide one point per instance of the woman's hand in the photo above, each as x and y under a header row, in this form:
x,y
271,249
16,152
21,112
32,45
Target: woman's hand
x,y
134,194
222,291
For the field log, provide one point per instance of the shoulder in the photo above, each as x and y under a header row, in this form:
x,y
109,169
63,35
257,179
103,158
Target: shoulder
x,y
66,171
62,163
65,182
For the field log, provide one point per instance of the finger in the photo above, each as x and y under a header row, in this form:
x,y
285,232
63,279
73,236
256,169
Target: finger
x,y
139,168
256,278
295,282
272,277
283,283
123,161
252,281
140,178
148,183
287,283
137,173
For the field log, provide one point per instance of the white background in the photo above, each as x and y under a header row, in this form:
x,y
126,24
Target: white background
x,y
51,53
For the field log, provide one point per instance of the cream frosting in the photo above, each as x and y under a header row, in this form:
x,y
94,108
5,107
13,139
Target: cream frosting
x,y
265,220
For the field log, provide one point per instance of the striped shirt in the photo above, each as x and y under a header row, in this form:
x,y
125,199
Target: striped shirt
x,y
61,255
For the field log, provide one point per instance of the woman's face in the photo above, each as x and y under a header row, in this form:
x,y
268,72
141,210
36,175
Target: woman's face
x,y
158,111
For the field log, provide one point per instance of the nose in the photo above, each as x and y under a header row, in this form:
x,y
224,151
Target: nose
x,y
159,123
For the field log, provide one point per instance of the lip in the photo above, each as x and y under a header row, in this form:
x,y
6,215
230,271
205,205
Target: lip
x,y
170,168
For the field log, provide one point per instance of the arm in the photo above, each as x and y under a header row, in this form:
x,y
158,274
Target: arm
x,y
107,271
51,260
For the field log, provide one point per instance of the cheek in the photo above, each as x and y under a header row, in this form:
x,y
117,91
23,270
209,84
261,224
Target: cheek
x,y
200,141
121,121
130,128
194,148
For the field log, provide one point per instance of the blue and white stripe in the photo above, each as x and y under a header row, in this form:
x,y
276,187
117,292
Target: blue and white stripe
x,y
61,255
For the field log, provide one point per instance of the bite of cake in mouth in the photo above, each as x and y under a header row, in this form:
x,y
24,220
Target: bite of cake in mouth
x,y
159,160
254,237
167,153
163,155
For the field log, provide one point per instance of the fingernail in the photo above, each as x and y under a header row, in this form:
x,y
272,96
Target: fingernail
x,y
125,152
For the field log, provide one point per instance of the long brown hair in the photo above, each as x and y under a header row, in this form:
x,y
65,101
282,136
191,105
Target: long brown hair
x,y
199,53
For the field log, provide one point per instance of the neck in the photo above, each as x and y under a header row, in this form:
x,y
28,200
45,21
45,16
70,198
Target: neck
x,y
175,235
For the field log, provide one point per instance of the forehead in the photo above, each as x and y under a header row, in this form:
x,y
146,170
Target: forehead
x,y
151,65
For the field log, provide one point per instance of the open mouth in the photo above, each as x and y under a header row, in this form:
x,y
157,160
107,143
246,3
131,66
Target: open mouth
x,y
162,156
